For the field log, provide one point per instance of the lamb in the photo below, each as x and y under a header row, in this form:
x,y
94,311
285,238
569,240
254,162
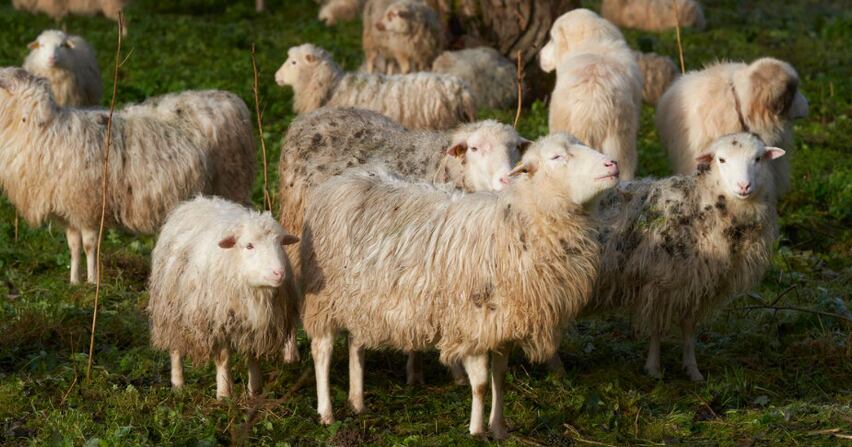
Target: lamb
x,y
414,32
499,269
677,248
321,144
220,287
57,9
598,92
654,15
491,77
417,101
69,64
658,73
762,97
164,150
333,11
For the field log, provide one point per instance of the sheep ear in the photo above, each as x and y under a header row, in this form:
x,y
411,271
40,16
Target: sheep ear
x,y
773,152
457,150
774,90
525,144
528,168
289,239
228,242
704,158
70,43
310,58
33,45
404,15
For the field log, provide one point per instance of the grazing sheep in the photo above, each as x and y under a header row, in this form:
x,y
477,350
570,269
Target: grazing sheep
x,y
492,78
220,287
417,101
164,150
58,9
69,64
414,32
677,248
762,97
653,15
658,73
413,266
321,144
333,11
598,93
377,55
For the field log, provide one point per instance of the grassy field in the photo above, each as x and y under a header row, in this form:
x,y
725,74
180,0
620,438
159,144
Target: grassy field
x,y
774,377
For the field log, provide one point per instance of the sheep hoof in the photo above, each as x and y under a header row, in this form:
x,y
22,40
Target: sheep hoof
x,y
499,431
694,374
357,405
291,354
417,380
654,372
326,419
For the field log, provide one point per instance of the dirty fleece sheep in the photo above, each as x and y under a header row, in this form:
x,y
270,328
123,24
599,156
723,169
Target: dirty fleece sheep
x,y
163,151
658,73
414,34
417,101
58,9
333,11
69,64
377,55
598,92
762,97
321,144
504,268
220,287
676,249
491,77
653,15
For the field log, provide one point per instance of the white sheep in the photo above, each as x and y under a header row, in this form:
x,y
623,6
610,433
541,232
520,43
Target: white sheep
x,y
377,55
414,34
417,101
653,15
57,9
163,151
413,266
676,249
69,64
491,77
598,92
658,73
219,287
334,11
762,97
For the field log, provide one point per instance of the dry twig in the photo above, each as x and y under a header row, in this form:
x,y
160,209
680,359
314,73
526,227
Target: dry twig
x,y
520,76
267,199
677,36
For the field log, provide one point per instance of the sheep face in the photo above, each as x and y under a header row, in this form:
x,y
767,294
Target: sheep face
x,y
51,49
488,154
773,92
25,99
397,18
742,161
301,61
257,249
559,165
572,29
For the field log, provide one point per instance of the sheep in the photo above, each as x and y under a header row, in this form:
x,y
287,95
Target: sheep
x,y
377,55
333,11
57,9
677,248
321,144
417,101
220,287
491,77
762,97
653,15
414,34
162,151
598,92
69,64
658,73
413,266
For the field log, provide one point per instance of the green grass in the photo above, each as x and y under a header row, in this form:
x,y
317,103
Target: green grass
x,y
773,378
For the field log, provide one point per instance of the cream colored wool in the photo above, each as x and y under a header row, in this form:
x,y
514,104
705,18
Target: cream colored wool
x,y
414,32
377,54
163,151
653,15
334,11
598,92
58,9
704,105
658,73
676,249
491,77
413,266
417,101
69,64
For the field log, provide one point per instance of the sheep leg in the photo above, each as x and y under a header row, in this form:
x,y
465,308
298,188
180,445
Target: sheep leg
x,y
555,366
496,422
652,364
414,369
321,349
223,376
356,375
457,370
291,348
477,371
255,377
689,363
75,242
177,368
90,246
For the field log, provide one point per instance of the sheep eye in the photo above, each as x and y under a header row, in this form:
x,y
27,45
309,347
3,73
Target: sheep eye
x,y
721,160
294,62
66,45
474,149
756,159
249,246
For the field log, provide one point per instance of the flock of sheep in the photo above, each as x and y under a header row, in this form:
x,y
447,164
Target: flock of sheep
x,y
411,225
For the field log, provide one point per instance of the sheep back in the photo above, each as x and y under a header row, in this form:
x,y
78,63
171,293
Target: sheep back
x,y
490,76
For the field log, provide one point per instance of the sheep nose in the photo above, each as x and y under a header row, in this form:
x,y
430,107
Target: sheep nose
x,y
611,163
744,186
504,180
380,26
278,273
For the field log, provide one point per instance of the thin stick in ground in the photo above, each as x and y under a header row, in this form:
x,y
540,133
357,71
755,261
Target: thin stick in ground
x,y
520,76
677,36
107,142
267,199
